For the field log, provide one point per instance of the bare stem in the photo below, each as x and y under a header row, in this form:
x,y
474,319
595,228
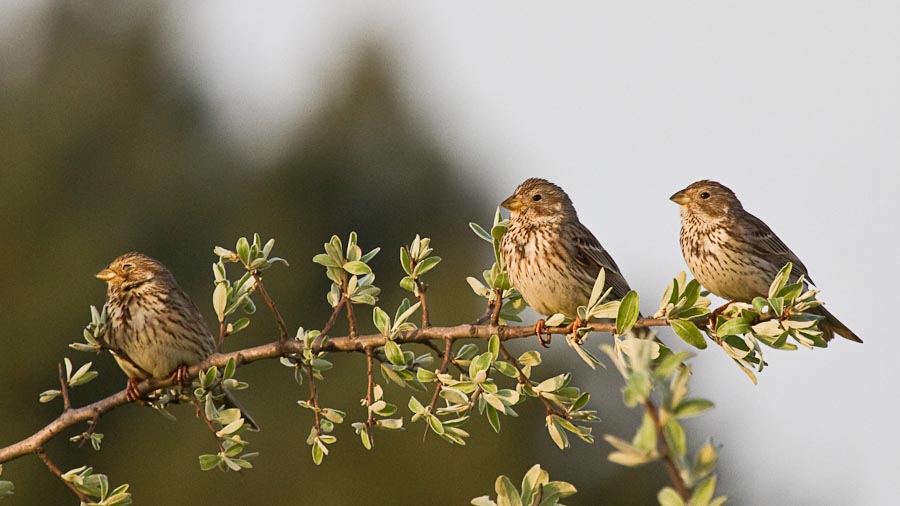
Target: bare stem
x,y
370,392
282,328
201,414
64,388
334,314
421,287
351,318
55,470
551,409
445,363
666,452
222,335
314,399
498,304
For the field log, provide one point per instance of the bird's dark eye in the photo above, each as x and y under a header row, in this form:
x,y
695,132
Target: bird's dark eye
x,y
704,195
536,197
127,267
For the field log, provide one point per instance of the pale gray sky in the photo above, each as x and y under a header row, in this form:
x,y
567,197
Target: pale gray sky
x,y
794,105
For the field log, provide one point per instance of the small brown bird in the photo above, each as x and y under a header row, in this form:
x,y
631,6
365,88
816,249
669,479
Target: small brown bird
x,y
733,253
155,330
553,260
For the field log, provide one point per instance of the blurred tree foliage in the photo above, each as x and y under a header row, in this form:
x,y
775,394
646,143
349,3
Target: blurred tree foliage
x,y
104,149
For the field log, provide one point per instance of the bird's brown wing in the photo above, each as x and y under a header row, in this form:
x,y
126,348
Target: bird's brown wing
x,y
591,256
771,247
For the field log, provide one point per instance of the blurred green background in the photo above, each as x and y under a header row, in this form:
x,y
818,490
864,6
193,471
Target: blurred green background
x,y
103,149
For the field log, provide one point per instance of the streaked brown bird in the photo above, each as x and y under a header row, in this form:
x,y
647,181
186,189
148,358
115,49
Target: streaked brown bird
x,y
154,329
553,260
733,254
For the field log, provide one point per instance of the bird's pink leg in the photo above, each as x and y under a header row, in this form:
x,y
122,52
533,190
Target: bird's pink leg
x,y
181,376
131,391
574,328
716,312
539,330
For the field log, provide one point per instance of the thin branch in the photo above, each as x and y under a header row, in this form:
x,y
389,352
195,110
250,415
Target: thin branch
x,y
420,288
551,409
666,452
498,305
282,328
445,363
55,470
351,318
91,430
64,387
201,414
486,317
222,335
370,393
441,354
331,321
314,399
278,349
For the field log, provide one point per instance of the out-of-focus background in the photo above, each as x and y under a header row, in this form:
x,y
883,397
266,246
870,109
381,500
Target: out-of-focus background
x,y
171,127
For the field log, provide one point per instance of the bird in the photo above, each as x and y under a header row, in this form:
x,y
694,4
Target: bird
x,y
154,328
734,254
553,260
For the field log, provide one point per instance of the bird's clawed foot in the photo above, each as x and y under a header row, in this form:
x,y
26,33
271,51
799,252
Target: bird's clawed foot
x,y
716,312
573,329
539,330
131,391
181,376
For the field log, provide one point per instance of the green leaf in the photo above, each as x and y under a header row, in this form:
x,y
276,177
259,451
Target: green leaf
x,y
780,280
675,436
394,353
357,267
494,347
629,308
209,462
480,363
645,439
480,232
220,300
507,495
382,321
558,436
405,261
530,358
689,333
531,483
243,250
325,260
597,290
669,497
704,492
426,265
493,417
240,325
732,327
693,407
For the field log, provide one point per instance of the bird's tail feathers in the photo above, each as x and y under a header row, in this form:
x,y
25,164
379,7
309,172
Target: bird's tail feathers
x,y
231,401
831,326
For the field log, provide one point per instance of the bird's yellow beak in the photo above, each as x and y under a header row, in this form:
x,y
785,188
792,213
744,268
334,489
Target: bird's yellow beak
x,y
513,203
105,274
680,198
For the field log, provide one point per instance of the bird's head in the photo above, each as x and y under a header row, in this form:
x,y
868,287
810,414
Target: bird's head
x,y
706,199
132,270
539,200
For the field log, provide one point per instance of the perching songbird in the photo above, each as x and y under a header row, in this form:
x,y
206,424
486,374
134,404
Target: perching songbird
x,y
155,330
733,254
553,260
